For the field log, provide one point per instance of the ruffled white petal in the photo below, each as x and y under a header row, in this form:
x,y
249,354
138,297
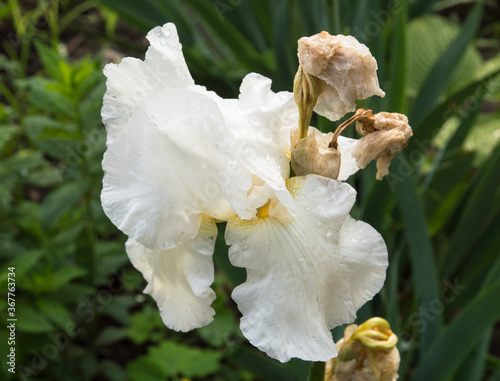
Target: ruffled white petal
x,y
261,121
263,114
305,274
173,161
179,279
129,82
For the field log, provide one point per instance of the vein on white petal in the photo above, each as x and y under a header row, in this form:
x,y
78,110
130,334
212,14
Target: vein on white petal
x,y
299,270
179,279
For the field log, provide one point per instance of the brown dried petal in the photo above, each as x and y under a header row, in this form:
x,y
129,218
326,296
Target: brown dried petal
x,y
386,134
311,155
345,65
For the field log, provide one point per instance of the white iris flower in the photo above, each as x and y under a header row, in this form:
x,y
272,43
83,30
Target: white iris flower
x,y
180,159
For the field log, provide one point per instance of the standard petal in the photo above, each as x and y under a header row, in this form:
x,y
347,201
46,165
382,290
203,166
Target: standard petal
x,y
130,81
179,279
348,164
261,121
170,165
300,270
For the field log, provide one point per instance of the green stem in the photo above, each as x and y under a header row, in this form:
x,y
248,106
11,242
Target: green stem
x,y
317,371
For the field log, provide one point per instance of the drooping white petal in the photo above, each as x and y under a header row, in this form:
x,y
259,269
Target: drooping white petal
x,y
173,161
130,81
179,279
305,274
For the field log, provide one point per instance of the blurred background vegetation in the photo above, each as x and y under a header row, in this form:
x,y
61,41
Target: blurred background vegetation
x,y
81,313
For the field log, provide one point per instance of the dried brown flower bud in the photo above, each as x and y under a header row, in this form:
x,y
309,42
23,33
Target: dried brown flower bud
x,y
347,68
311,155
314,155
366,353
386,134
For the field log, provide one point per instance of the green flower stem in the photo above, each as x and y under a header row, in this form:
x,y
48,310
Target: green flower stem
x,y
317,371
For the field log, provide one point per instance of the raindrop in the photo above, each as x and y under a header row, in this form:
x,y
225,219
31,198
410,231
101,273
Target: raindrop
x,y
254,120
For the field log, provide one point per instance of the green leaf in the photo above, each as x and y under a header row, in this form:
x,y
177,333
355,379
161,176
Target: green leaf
x,y
65,275
119,307
419,7
145,324
224,34
235,274
141,13
478,213
171,359
55,139
30,320
55,312
61,200
110,335
454,103
217,332
424,272
398,62
112,371
268,369
438,78
50,60
45,177
473,367
180,359
144,369
23,263
7,133
484,136
429,37
47,99
22,162
453,345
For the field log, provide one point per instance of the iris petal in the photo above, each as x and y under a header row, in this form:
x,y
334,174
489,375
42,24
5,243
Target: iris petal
x,y
305,274
179,279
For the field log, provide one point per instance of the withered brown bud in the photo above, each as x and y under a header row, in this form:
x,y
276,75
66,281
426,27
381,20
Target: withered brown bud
x,y
386,134
365,354
347,68
311,155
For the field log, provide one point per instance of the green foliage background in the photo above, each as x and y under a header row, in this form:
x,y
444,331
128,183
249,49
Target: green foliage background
x,y
81,314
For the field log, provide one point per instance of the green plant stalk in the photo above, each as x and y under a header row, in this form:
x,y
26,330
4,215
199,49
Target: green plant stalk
x,y
317,371
89,228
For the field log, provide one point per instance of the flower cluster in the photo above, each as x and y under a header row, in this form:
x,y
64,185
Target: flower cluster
x,y
180,159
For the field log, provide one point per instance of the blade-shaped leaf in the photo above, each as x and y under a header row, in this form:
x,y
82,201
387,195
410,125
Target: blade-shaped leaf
x,y
450,348
438,78
424,272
